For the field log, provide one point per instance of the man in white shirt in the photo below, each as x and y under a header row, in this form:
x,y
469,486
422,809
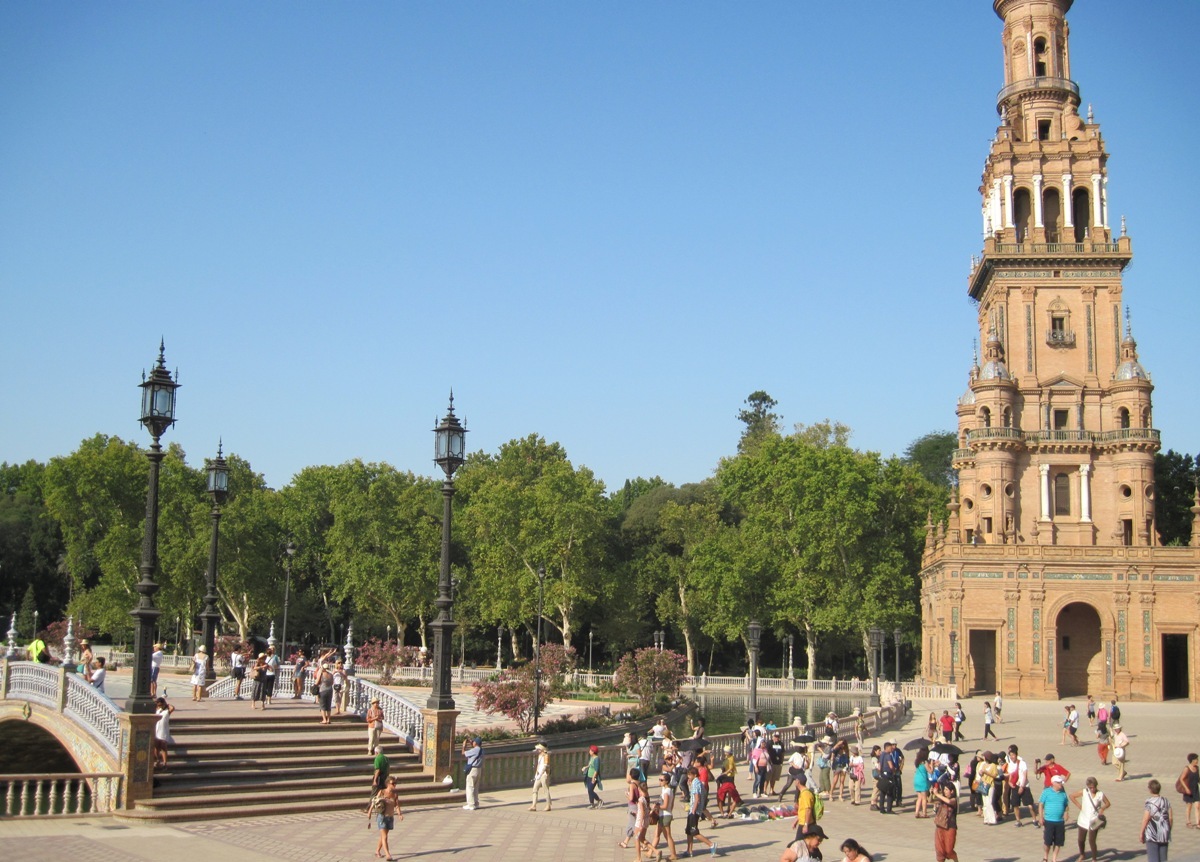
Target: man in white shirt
x,y
1016,775
98,674
237,669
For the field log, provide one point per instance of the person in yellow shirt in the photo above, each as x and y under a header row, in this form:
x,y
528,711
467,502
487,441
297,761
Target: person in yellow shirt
x,y
806,801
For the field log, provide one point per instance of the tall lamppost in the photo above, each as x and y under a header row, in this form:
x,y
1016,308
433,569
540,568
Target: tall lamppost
x,y
158,414
953,639
499,647
591,635
896,635
876,636
660,640
218,489
289,551
753,640
791,668
537,650
449,453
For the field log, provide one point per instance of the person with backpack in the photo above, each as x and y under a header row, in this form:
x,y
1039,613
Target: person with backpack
x,y
807,814
959,718
38,651
385,807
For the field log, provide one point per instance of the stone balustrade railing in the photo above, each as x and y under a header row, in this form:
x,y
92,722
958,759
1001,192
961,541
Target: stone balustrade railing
x,y
56,795
515,768
57,688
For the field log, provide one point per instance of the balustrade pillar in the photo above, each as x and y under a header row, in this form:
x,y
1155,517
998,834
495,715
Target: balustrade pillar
x,y
1085,493
1044,470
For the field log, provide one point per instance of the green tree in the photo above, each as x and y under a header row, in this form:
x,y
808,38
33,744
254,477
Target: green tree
x,y
1175,477
760,420
932,454
649,672
525,507
30,543
385,541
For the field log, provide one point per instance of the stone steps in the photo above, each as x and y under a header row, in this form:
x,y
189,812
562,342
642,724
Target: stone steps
x,y
226,766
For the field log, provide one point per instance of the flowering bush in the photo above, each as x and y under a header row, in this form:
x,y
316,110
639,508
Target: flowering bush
x,y
649,672
55,632
511,692
385,656
224,646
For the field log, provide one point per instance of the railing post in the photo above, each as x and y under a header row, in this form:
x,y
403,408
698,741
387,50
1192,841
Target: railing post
x,y
137,757
62,688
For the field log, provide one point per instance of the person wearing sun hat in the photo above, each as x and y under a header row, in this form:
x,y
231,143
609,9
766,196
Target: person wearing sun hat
x,y
541,776
199,669
374,725
805,846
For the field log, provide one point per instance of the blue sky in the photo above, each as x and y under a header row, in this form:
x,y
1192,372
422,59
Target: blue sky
x,y
603,223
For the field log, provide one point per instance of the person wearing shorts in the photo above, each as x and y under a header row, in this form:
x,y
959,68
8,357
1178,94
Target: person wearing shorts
x,y
237,669
156,660
1052,814
386,816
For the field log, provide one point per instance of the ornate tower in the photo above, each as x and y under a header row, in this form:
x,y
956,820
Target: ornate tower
x,y
1051,531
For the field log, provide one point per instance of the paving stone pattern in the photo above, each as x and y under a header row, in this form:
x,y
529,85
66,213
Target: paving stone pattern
x,y
504,828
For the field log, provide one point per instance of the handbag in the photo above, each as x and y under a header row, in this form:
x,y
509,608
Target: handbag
x,y
314,689
941,817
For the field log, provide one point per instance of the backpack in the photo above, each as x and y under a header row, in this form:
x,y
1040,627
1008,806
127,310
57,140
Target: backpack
x,y
818,806
377,803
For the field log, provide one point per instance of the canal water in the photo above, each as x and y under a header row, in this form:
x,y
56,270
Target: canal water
x,y
726,713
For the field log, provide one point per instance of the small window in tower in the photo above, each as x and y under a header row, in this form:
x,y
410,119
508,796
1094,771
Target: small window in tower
x,y
1061,419
1043,130
1126,491
985,490
987,526
1039,53
970,536
1123,417
1058,328
1127,532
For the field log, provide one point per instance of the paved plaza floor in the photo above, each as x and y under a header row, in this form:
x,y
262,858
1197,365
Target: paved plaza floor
x,y
504,828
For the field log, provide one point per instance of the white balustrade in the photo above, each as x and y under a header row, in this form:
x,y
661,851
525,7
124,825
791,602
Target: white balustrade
x,y
60,795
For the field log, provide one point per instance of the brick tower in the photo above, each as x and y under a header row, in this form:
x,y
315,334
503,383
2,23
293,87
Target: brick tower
x,y
1048,579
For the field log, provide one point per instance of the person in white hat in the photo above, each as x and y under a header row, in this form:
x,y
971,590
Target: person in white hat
x,y
199,670
541,776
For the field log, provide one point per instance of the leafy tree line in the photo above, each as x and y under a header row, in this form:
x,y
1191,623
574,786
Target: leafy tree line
x,y
798,529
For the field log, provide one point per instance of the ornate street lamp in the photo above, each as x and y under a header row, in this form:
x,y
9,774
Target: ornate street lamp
x,y
289,551
876,636
753,640
591,635
218,489
499,647
449,453
537,650
896,635
791,668
158,414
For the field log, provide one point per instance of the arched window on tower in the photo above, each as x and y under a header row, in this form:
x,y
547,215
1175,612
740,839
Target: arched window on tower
x,y
1052,214
1123,417
986,416
1146,417
1040,57
1081,213
1021,213
1062,494
1007,417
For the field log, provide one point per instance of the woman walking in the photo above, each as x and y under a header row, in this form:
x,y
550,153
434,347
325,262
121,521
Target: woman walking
x,y
199,670
858,773
1188,785
989,787
841,765
323,680
665,809
258,677
591,778
541,776
931,727
162,731
1092,804
921,776
987,721
1157,821
1103,743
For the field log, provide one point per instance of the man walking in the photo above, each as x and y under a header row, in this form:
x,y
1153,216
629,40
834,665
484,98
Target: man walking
x,y
473,753
1052,813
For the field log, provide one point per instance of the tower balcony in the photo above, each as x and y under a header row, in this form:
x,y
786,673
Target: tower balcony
x,y
1040,85
1006,255
1058,440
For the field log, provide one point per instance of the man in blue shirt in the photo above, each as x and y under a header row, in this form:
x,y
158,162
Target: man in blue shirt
x,y
473,755
1052,812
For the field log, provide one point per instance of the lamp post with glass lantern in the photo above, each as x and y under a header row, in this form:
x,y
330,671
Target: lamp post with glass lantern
x,y
753,641
591,635
449,453
218,490
289,551
876,637
896,635
158,414
537,649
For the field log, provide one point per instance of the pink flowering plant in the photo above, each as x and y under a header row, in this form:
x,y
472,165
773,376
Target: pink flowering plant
x,y
385,656
649,672
510,692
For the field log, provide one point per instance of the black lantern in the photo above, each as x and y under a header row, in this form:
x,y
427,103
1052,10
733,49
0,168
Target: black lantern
x,y
158,414
158,397
218,489
450,442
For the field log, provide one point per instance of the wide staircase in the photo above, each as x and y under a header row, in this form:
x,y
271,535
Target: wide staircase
x,y
226,766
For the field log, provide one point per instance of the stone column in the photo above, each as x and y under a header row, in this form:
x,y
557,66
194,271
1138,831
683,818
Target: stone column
x,y
1044,470
1066,184
137,758
1085,493
1008,200
1104,202
1037,200
437,747
1097,217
